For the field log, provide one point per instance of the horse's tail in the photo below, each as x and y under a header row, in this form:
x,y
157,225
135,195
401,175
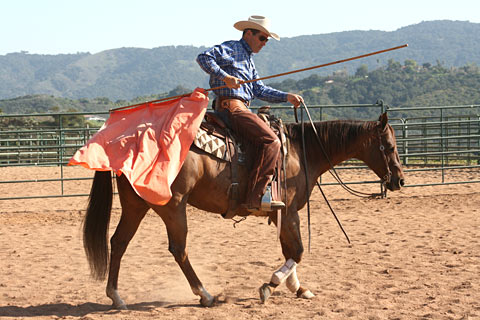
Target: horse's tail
x,y
95,225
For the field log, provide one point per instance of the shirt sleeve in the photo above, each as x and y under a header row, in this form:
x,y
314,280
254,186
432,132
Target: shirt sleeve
x,y
266,93
269,94
208,62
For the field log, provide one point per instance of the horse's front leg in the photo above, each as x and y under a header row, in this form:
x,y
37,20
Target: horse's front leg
x,y
293,284
292,249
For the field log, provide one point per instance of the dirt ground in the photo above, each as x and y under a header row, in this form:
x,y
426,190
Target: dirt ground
x,y
414,255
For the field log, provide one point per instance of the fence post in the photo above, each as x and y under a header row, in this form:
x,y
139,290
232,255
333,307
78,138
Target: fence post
x,y
61,151
425,142
442,147
405,142
382,107
478,139
469,132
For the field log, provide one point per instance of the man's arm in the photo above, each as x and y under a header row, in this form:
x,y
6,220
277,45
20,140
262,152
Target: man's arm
x,y
295,99
208,62
270,94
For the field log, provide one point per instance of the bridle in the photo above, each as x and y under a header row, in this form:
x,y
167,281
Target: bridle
x,y
385,179
388,176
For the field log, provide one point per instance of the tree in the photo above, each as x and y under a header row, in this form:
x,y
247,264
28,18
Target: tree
x,y
178,90
427,65
394,65
362,71
54,109
73,121
410,66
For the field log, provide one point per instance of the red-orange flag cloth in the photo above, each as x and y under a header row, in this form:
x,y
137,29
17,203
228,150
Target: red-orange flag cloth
x,y
148,144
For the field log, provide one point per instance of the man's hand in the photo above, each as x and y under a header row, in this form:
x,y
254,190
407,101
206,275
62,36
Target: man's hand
x,y
295,99
232,82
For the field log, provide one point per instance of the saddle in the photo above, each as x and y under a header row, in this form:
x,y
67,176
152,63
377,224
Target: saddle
x,y
215,138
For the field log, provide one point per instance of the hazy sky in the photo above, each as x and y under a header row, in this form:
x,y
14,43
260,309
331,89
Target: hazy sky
x,y
71,26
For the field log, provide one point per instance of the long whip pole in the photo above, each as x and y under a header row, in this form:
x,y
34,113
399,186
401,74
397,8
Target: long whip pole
x,y
272,76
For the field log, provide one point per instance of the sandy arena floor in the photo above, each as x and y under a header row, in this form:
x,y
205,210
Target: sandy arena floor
x,y
414,255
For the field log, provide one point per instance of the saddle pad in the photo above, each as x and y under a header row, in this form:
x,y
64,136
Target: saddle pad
x,y
211,144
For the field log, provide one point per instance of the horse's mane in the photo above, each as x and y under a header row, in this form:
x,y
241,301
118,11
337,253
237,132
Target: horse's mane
x,y
335,135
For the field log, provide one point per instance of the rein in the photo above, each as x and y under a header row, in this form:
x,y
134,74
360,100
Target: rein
x,y
305,165
335,175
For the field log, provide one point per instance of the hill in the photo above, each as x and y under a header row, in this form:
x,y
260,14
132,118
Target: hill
x,y
399,85
127,73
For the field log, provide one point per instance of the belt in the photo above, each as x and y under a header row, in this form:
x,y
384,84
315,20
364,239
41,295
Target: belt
x,y
231,103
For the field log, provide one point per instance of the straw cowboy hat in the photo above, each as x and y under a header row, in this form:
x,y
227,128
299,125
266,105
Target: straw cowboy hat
x,y
258,23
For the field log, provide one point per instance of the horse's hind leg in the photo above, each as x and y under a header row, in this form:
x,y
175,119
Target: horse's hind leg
x,y
176,223
133,211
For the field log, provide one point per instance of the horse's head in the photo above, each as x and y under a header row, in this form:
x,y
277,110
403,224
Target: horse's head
x,y
382,155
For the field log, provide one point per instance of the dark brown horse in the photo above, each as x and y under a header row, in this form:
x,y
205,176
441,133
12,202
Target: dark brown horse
x,y
202,175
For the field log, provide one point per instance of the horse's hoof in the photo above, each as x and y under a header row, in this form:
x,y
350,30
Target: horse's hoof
x,y
117,302
305,294
207,301
265,292
121,306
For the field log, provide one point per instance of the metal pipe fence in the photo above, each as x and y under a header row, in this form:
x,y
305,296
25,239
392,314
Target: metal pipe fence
x,y
446,139
442,138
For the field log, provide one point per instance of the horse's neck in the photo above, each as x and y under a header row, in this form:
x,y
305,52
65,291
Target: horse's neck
x,y
341,140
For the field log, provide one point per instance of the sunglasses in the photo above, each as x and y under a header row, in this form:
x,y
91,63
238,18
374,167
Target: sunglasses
x,y
263,38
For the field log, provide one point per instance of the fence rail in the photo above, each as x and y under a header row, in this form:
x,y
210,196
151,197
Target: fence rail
x,y
447,138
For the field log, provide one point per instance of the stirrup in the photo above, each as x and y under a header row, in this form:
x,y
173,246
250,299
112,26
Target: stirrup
x,y
264,207
272,206
268,204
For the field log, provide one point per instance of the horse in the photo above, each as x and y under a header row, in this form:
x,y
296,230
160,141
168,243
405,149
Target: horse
x,y
202,175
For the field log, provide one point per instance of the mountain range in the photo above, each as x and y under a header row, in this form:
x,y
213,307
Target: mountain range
x,y
126,73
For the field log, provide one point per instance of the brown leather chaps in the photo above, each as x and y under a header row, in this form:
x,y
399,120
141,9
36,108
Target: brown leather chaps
x,y
266,145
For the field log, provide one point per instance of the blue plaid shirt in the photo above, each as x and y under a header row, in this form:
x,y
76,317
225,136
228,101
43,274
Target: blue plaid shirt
x,y
235,58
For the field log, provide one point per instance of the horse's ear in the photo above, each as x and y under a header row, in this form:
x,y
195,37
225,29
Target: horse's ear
x,y
383,120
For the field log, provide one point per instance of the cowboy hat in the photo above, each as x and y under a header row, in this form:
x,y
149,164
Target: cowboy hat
x,y
258,23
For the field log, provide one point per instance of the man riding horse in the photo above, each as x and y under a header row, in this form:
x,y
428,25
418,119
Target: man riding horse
x,y
372,142
230,65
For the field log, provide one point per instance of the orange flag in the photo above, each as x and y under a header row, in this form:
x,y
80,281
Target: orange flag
x,y
148,144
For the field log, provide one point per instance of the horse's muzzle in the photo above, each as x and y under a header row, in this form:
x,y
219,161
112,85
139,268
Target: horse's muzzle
x,y
395,184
